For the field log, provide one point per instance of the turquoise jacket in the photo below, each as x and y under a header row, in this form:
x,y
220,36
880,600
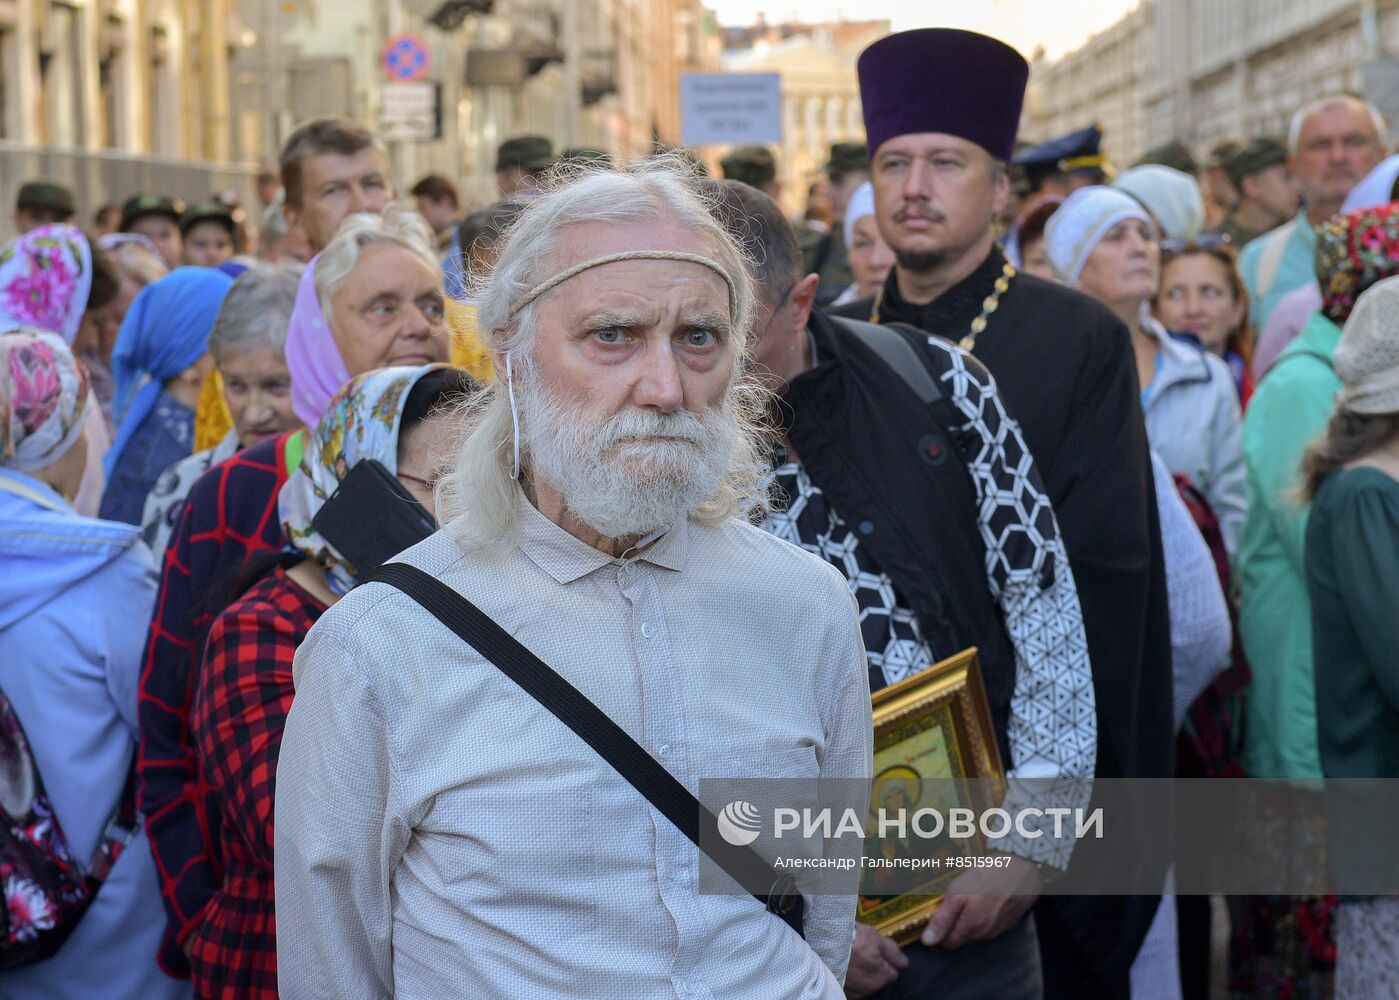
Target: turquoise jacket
x,y
1288,411
1296,267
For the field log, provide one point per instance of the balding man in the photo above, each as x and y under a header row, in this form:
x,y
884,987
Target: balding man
x,y
1334,142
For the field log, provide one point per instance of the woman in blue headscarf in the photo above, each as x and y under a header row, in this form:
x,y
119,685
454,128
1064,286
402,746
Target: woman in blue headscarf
x,y
158,365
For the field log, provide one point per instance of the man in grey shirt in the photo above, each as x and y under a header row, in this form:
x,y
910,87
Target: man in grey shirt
x,y
439,833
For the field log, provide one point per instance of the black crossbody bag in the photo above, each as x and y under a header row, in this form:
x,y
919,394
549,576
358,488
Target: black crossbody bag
x,y
596,728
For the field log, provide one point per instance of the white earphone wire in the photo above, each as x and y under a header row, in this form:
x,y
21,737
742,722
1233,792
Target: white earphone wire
x,y
514,414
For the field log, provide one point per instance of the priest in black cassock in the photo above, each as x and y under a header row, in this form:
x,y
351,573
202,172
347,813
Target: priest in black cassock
x,y
941,109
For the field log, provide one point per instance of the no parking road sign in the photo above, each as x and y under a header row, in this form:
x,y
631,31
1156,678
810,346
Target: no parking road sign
x,y
406,57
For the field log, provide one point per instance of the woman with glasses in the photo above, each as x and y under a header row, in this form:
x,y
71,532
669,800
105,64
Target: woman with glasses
x,y
1202,295
398,417
1103,242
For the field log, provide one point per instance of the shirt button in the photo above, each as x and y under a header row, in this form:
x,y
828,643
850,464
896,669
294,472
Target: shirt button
x,y
663,749
646,629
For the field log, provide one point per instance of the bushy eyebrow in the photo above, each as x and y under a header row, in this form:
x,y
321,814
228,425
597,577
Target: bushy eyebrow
x,y
611,317
711,320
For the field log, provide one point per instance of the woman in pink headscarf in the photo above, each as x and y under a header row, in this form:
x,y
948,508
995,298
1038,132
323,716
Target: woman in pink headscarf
x,y
50,278
365,302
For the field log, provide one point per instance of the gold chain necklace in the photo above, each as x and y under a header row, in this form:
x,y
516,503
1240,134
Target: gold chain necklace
x,y
988,306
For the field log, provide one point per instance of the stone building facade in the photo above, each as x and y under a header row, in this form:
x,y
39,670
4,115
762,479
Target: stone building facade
x,y
1204,70
191,96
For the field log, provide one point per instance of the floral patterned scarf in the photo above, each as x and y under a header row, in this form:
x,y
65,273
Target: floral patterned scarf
x,y
45,277
360,423
43,396
1353,251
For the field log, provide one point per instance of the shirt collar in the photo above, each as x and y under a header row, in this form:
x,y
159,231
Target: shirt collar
x,y
567,558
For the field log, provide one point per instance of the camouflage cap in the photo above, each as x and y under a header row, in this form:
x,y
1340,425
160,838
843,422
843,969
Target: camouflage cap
x,y
1174,154
143,205
1257,154
753,165
847,156
207,211
529,153
45,195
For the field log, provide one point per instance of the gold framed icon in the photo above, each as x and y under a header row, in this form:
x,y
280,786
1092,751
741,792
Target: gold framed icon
x,y
933,735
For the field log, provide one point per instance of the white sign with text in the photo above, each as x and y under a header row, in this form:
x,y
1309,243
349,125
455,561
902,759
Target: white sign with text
x,y
723,108
408,112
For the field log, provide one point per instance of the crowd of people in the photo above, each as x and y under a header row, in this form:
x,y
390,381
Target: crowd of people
x,y
1135,437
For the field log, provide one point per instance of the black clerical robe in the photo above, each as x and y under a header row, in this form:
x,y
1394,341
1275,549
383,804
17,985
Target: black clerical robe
x,y
1066,372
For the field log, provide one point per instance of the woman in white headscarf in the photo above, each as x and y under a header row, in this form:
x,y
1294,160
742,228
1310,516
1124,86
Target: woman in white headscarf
x,y
1103,242
1172,198
870,257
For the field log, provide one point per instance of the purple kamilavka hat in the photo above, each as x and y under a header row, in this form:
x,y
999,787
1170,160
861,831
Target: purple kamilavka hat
x,y
943,80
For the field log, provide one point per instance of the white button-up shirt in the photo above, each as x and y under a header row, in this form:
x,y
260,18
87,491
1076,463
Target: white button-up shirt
x,y
440,834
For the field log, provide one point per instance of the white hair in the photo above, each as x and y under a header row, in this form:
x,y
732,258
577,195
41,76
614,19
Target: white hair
x,y
256,311
396,227
661,189
1294,130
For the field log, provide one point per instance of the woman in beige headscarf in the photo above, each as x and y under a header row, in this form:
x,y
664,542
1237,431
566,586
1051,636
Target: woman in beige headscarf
x,y
1352,560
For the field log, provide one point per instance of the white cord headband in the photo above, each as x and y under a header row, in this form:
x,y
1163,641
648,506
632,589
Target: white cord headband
x,y
577,269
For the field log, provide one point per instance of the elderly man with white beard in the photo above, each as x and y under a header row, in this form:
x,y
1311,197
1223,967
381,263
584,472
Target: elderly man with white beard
x,y
438,831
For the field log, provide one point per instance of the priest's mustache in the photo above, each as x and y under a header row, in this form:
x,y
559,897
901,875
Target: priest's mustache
x,y
904,214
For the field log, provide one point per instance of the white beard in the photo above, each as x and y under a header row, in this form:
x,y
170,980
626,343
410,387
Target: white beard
x,y
668,465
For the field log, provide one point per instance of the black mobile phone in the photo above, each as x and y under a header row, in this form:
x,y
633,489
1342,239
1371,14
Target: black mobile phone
x,y
370,518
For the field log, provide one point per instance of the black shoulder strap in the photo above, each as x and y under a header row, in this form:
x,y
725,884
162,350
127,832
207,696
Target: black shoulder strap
x,y
911,366
599,731
896,352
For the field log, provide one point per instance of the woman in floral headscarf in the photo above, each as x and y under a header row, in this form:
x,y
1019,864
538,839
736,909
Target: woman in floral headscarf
x,y
396,416
51,278
1289,410
75,596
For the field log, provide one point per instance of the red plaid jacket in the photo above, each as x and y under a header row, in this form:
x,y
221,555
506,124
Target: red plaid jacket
x,y
242,698
231,514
